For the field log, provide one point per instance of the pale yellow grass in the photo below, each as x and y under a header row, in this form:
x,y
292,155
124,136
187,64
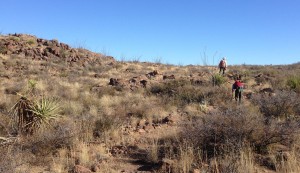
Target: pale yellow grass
x,y
72,108
93,111
153,150
42,86
246,162
109,102
70,90
87,99
292,163
62,162
4,57
157,114
83,154
196,109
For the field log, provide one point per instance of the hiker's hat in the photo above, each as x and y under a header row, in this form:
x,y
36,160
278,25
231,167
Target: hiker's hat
x,y
224,58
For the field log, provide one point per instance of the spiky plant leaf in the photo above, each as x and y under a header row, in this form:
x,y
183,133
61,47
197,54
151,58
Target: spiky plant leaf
x,y
44,111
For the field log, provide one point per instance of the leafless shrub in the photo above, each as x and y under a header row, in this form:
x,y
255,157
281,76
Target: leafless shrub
x,y
106,123
233,128
47,141
281,105
227,129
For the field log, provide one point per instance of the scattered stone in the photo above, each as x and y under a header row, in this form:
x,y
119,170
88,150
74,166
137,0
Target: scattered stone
x,y
152,74
196,171
143,83
171,119
95,167
148,127
266,90
141,131
168,77
113,82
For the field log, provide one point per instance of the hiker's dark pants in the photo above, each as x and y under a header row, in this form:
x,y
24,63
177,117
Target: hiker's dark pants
x,y
222,69
238,95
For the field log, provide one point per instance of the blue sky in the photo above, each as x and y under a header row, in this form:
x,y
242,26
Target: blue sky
x,y
178,32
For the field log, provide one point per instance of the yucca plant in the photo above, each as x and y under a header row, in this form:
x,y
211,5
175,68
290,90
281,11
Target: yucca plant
x,y
44,110
29,115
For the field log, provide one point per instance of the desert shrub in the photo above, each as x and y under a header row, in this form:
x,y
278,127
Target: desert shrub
x,y
279,83
217,95
182,92
234,128
169,88
189,94
13,157
282,105
218,80
3,49
49,140
225,131
31,42
105,91
106,123
14,38
169,91
294,83
260,80
36,149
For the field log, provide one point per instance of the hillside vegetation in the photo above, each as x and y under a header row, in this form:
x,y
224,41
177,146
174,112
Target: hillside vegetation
x,y
65,109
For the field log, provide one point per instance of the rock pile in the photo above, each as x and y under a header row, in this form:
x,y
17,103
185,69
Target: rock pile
x,y
42,49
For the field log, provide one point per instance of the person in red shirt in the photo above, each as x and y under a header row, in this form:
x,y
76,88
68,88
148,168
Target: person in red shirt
x,y
237,89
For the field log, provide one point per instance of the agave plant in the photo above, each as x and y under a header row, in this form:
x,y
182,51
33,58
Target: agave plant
x,y
30,116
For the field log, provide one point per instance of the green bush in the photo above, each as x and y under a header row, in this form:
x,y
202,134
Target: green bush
x,y
294,83
31,42
218,80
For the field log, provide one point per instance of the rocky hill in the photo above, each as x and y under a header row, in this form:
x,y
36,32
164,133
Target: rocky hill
x,y
41,49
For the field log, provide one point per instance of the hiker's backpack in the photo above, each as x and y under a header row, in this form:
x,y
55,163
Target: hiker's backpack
x,y
239,86
222,63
